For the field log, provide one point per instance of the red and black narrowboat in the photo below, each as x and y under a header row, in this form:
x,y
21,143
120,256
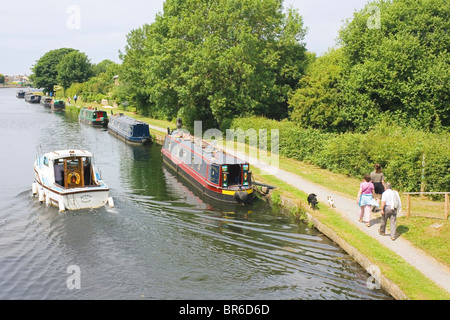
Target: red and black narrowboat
x,y
211,170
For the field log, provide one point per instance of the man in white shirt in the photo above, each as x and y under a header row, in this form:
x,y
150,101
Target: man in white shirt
x,y
388,211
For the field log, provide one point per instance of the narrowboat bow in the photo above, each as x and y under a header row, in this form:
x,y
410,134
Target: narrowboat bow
x,y
212,171
69,180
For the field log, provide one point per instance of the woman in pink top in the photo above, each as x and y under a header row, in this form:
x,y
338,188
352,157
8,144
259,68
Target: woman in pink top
x,y
366,199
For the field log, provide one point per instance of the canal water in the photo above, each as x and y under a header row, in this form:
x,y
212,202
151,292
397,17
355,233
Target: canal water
x,y
160,241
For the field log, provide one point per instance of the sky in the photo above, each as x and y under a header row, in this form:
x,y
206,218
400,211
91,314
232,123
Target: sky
x,y
30,28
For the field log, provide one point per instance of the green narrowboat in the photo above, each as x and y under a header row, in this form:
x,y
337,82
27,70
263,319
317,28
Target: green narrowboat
x,y
93,117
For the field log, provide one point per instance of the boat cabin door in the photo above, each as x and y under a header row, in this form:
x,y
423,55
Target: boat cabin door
x,y
73,173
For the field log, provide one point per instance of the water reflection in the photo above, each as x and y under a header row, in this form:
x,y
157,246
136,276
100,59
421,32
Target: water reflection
x,y
163,239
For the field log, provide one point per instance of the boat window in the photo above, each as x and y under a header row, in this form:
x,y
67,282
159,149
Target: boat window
x,y
46,161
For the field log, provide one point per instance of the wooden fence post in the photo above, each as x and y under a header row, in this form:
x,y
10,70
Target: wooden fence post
x,y
446,207
408,204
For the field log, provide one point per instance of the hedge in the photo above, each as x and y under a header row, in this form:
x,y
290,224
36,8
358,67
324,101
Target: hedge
x,y
412,160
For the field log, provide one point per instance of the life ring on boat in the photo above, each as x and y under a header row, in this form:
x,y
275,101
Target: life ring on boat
x,y
74,178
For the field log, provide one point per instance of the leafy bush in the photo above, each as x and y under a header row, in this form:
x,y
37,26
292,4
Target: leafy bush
x,y
412,160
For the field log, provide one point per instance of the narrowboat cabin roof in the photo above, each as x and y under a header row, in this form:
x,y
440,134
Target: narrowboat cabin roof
x,y
127,120
209,152
61,154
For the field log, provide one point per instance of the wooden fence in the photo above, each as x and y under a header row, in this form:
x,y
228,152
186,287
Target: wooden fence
x,y
408,201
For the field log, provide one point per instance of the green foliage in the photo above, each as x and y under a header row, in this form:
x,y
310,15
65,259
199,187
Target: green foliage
x,y
411,159
98,87
102,67
2,78
316,103
74,67
398,70
45,70
213,60
401,68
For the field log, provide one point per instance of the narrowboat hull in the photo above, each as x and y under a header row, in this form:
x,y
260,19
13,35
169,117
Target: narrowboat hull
x,y
95,123
231,196
128,139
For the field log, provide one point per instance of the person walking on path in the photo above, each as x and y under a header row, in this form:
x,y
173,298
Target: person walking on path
x,y
389,210
377,177
366,200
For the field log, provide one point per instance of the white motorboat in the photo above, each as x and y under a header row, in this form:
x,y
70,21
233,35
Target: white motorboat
x,y
69,180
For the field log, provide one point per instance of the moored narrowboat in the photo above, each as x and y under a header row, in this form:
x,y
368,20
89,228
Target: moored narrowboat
x,y
32,98
211,170
93,117
46,102
20,94
129,129
58,105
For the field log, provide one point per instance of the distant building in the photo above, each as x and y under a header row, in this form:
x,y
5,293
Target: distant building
x,y
20,79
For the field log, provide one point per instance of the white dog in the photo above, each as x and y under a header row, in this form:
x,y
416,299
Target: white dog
x,y
330,202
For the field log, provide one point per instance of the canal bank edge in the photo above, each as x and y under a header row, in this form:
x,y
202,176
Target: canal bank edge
x,y
291,206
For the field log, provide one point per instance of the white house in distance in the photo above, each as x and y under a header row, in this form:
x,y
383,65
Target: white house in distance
x,y
20,79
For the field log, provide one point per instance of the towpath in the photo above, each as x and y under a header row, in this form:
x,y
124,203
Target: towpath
x,y
348,208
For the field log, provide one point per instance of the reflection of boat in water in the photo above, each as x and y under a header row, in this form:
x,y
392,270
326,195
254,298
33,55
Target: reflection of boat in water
x,y
212,171
69,180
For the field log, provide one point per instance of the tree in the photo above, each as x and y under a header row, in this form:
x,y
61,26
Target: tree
x,y
2,78
45,70
400,68
216,60
317,103
102,66
74,67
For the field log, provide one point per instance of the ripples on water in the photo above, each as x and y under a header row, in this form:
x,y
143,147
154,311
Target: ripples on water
x,y
161,241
